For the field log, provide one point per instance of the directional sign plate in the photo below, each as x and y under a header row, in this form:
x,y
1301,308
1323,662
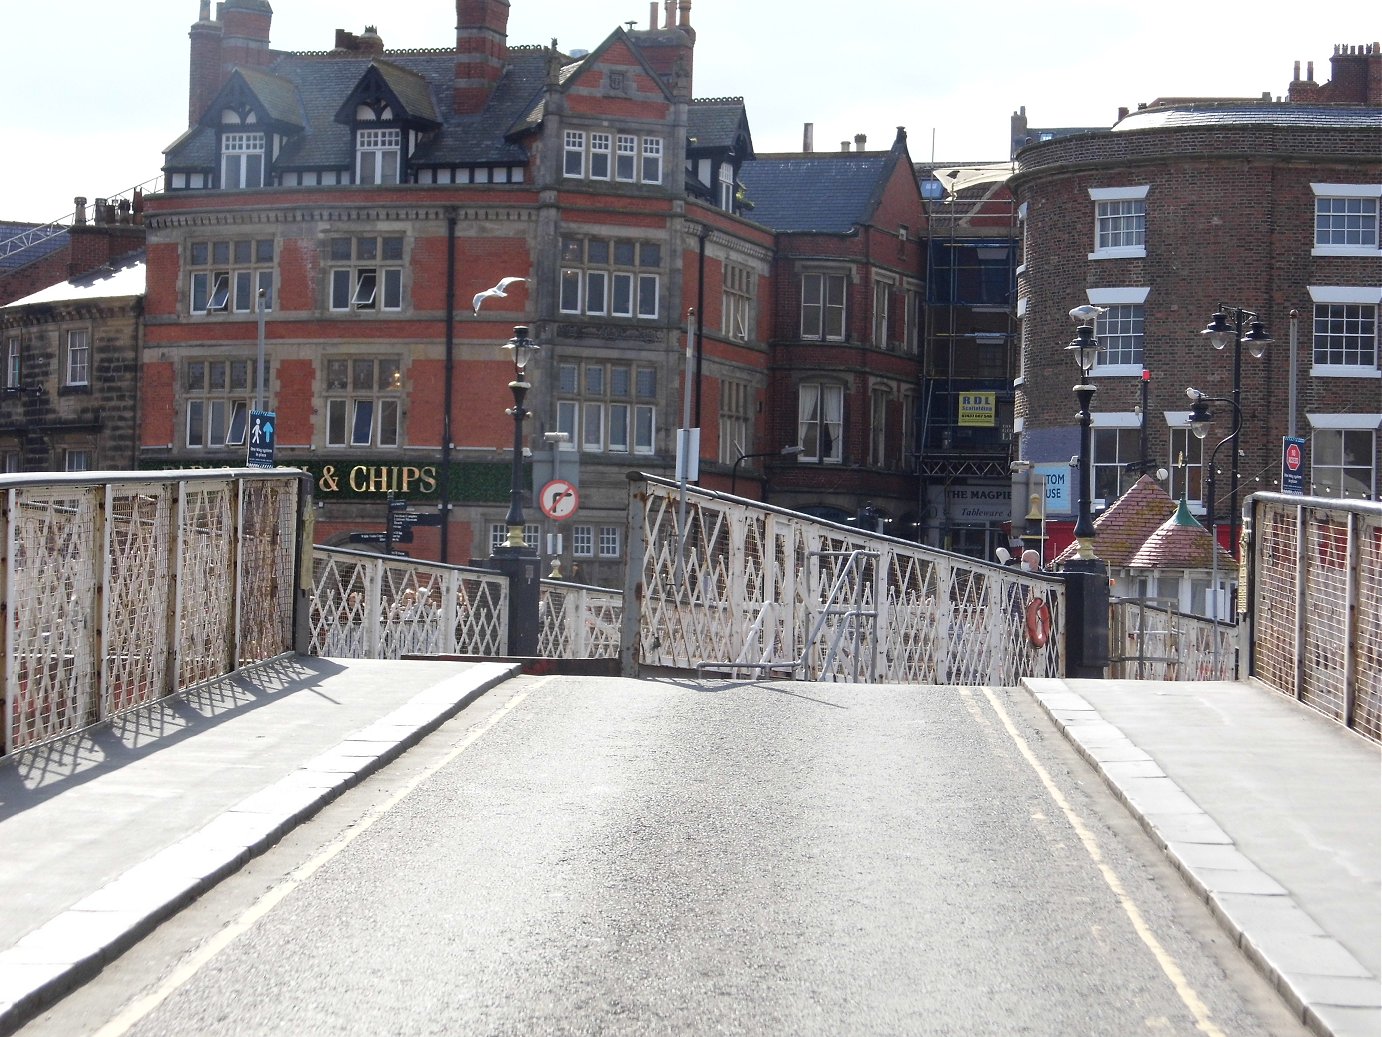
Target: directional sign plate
x,y
558,499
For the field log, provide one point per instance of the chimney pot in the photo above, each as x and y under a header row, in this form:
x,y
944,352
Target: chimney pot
x,y
859,141
80,216
844,145
808,137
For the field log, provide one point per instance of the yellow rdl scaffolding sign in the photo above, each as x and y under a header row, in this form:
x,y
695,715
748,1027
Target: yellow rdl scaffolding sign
x,y
978,409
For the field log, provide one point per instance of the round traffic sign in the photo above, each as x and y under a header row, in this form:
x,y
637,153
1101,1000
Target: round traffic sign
x,y
558,499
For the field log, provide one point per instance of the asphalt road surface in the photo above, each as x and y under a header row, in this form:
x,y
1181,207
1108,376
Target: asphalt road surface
x,y
599,856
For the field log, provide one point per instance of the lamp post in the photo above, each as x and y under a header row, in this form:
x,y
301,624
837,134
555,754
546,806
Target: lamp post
x,y
1086,576
1199,424
514,558
787,451
1220,333
1085,349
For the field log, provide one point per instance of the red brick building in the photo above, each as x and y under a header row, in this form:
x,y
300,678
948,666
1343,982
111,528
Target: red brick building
x,y
1182,208
368,194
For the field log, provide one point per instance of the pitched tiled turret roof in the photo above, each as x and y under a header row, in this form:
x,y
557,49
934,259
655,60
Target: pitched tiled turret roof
x,y
1127,524
1180,543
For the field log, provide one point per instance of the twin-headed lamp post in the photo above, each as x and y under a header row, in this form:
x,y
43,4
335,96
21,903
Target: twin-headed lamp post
x,y
514,558
1220,333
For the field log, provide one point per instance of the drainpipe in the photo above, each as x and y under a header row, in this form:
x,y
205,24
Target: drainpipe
x,y
445,503
700,322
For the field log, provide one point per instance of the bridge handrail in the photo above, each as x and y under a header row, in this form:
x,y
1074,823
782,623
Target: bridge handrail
x,y
1312,598
941,618
122,588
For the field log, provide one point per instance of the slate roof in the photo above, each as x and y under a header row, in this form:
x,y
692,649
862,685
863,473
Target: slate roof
x,y
827,192
1127,524
29,253
277,95
422,80
715,124
1309,116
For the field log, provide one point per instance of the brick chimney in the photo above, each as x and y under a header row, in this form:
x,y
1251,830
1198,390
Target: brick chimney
x,y
205,65
1355,77
482,50
244,34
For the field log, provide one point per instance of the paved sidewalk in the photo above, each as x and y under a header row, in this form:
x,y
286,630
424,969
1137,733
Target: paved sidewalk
x,y
1272,812
107,835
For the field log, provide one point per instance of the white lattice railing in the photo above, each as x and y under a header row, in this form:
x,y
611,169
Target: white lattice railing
x,y
1314,603
1154,642
370,606
744,588
578,621
123,588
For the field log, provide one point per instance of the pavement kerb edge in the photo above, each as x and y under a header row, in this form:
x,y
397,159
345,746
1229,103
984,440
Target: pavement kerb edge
x,y
1311,1014
18,1007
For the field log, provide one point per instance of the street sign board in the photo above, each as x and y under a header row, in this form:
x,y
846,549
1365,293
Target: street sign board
x,y
401,519
1292,464
399,537
260,453
1057,477
558,500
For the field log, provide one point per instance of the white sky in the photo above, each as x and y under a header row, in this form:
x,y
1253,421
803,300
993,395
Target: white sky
x,y
101,88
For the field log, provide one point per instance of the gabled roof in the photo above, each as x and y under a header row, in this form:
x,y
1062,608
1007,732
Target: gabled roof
x,y
718,124
406,92
272,99
1127,524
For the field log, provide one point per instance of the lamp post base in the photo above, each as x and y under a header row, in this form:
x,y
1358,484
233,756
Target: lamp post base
x,y
522,567
1086,618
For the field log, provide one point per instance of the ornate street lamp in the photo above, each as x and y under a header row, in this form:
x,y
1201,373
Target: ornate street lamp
x,y
1085,349
514,558
1220,333
1199,422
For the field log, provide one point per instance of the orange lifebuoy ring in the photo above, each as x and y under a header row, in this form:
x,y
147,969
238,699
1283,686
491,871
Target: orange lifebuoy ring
x,y
1038,622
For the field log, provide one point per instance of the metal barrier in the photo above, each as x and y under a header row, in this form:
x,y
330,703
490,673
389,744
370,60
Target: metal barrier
x,y
1313,598
744,588
578,621
371,606
124,588
1151,640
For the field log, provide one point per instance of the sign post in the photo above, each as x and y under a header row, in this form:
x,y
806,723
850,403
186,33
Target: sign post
x,y
1292,464
260,453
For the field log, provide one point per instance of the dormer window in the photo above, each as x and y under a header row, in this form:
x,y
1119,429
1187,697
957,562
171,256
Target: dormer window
x,y
377,156
242,161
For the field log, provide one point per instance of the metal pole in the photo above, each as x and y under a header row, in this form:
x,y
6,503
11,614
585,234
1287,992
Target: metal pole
x,y
1238,410
259,357
1291,375
684,467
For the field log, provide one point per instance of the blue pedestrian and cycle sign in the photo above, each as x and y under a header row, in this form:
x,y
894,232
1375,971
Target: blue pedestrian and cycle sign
x,y
261,440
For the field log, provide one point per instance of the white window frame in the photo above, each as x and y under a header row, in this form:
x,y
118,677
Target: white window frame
x,y
1343,423
217,405
14,364
1336,295
1114,299
378,145
820,408
726,186
371,279
608,286
598,415
611,543
1193,474
1117,204
882,312
736,419
499,535
76,459
650,168
815,325
1122,421
77,358
583,541
1329,196
573,155
601,155
879,399
353,407
226,275
736,301
239,150
626,158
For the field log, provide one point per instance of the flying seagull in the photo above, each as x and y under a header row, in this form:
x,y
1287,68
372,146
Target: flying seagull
x,y
1086,313
498,291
